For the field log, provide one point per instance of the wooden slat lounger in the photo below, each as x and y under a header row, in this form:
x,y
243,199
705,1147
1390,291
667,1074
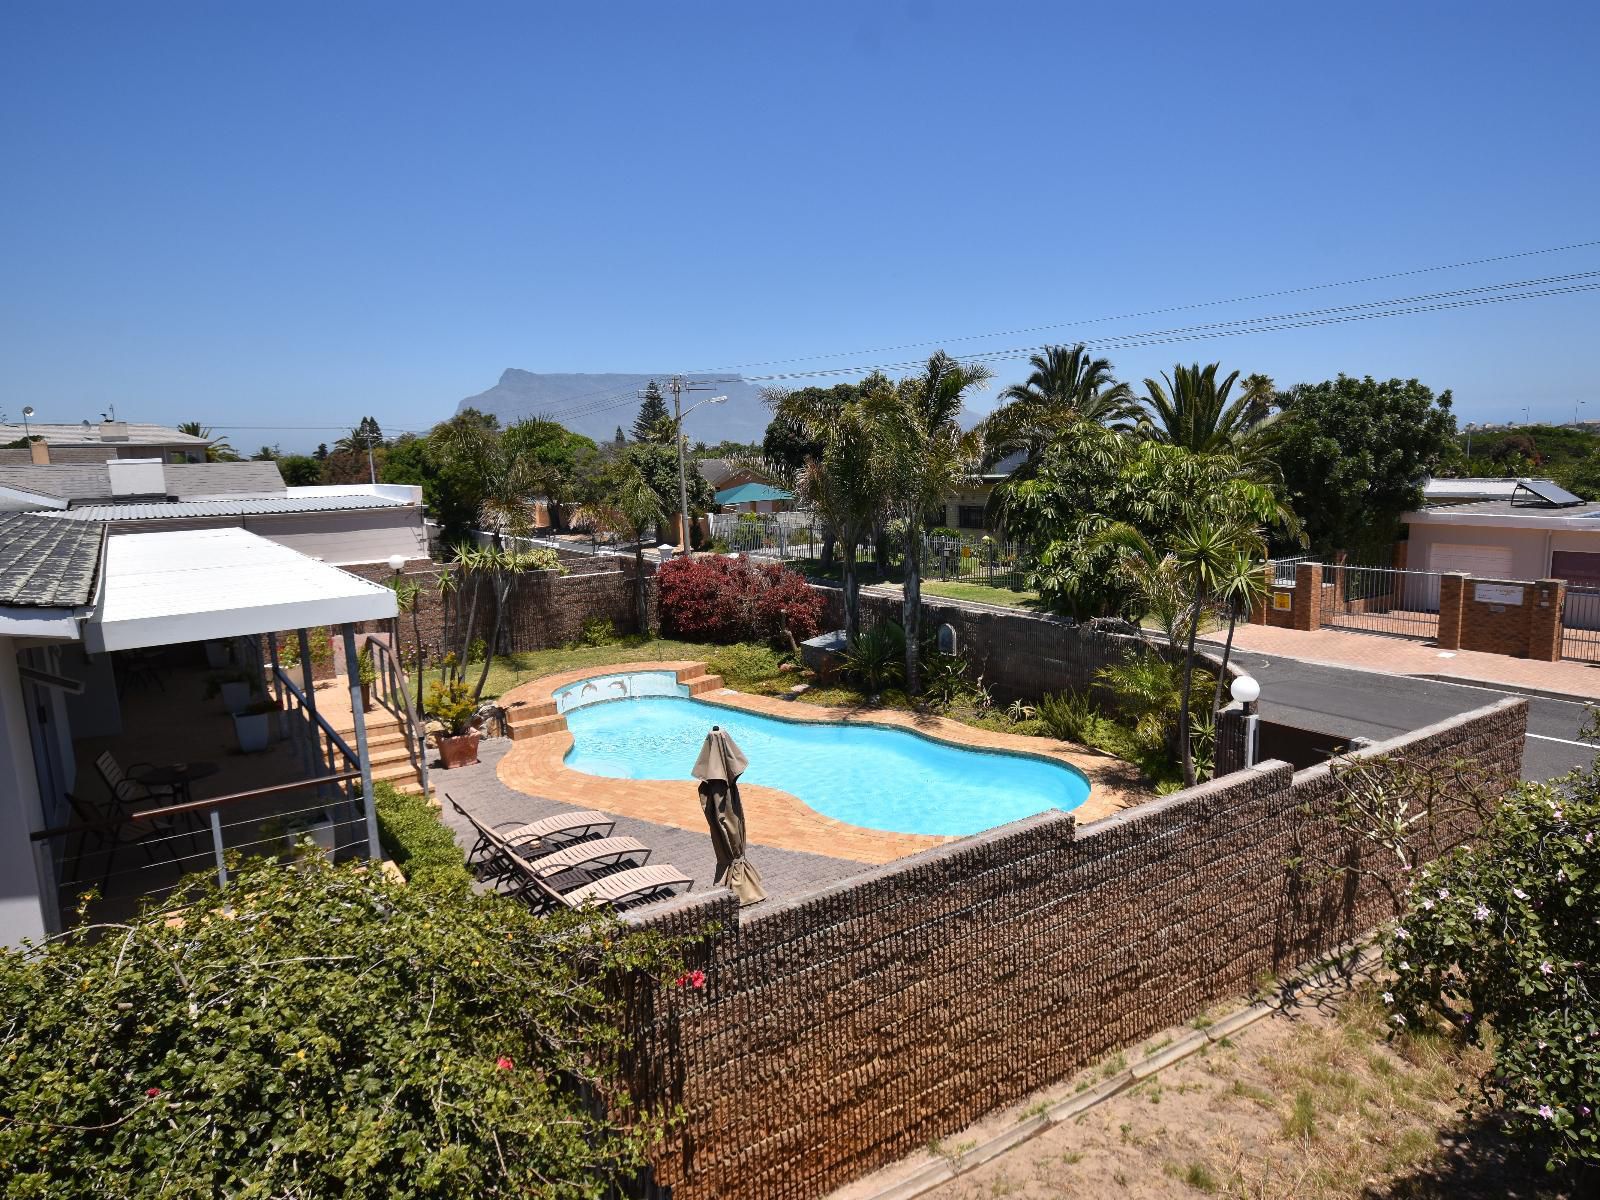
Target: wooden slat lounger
x,y
630,887
608,851
530,839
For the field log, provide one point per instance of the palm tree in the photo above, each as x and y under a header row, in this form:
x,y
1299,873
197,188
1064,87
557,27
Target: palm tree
x,y
219,450
1260,395
1066,386
1189,408
928,455
1241,587
631,507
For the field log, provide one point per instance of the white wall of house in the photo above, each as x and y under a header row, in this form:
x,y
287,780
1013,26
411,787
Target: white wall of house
x,y
1526,552
22,908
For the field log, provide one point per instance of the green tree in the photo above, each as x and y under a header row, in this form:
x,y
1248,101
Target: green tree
x,y
219,450
561,460
299,470
631,509
1191,409
367,434
846,481
1066,386
267,454
654,416
449,488
928,454
658,464
1353,454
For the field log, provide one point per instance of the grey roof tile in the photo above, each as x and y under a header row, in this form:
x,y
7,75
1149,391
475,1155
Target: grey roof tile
x,y
48,564
158,510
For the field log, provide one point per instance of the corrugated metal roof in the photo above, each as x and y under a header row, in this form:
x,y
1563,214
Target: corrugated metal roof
x,y
174,509
47,564
748,493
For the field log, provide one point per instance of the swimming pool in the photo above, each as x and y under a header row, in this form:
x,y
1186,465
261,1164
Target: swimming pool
x,y
874,777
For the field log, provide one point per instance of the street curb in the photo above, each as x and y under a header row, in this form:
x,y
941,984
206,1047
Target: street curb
x,y
1358,958
1514,689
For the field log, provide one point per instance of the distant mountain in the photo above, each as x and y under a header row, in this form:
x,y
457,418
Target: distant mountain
x,y
596,404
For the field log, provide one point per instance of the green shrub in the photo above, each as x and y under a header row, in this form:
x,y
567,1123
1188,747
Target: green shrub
x,y
415,837
945,679
598,631
476,650
1070,716
322,1031
1503,934
450,703
743,663
877,658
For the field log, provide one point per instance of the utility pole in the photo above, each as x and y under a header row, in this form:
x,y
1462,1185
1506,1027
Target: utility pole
x,y
679,386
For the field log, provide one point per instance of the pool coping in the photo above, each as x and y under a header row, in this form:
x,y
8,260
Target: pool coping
x,y
536,765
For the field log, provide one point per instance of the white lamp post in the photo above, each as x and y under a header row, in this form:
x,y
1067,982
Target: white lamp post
x,y
1247,691
683,486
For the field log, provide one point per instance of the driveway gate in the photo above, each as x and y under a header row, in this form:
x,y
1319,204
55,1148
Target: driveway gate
x,y
1580,624
1381,600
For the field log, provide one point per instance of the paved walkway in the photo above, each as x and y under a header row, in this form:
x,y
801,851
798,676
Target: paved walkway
x,y
786,874
1403,656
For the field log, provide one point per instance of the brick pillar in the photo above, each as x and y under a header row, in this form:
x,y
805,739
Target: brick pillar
x,y
1308,595
1452,588
1258,606
1544,618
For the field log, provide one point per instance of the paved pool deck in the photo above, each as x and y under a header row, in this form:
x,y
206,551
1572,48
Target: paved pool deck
x,y
786,874
777,820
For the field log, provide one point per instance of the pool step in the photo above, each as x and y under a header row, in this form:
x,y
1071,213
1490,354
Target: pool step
x,y
523,728
700,684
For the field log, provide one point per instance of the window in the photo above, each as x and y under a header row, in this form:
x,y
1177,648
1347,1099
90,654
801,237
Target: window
x,y
969,516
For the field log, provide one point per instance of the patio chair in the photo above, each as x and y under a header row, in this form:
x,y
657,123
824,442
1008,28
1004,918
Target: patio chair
x,y
531,839
158,831
126,791
626,889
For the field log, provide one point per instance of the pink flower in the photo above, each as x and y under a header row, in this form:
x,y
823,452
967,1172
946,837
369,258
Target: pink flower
x,y
152,1092
1545,968
1546,1112
504,1063
692,979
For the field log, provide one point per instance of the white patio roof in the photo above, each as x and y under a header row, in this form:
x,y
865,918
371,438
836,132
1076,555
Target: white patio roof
x,y
194,584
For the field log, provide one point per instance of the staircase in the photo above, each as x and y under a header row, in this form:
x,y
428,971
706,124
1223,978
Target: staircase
x,y
386,748
532,720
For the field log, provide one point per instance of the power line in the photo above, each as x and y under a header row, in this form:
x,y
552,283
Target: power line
x,y
1151,312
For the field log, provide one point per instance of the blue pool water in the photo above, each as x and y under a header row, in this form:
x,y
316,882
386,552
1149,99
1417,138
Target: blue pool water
x,y
885,779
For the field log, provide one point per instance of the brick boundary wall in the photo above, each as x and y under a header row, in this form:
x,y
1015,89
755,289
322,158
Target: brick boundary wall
x,y
1528,626
840,1031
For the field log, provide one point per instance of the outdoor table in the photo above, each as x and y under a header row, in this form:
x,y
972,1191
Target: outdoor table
x,y
177,776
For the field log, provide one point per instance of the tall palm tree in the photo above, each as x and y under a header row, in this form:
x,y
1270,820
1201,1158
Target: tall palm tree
x,y
219,450
1066,386
928,455
1260,395
1191,409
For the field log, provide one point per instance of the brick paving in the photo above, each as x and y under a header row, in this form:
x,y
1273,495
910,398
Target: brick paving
x,y
1400,656
786,874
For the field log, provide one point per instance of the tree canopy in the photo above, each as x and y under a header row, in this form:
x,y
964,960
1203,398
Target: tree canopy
x,y
654,417
1353,454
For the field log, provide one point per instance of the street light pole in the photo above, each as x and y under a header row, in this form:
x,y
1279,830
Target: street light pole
x,y
679,386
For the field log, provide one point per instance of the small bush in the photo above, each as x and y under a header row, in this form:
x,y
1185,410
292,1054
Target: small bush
x,y
877,658
415,837
477,650
1071,716
451,704
598,631
945,679
731,599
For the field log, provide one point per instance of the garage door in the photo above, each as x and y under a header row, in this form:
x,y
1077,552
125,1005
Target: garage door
x,y
1577,567
1486,562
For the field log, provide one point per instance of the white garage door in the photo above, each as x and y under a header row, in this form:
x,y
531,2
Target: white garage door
x,y
1486,562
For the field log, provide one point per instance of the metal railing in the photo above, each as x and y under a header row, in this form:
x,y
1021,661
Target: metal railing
x,y
1283,569
1381,600
978,558
392,692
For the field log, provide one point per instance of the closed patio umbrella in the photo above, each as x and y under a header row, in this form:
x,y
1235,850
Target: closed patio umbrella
x,y
718,768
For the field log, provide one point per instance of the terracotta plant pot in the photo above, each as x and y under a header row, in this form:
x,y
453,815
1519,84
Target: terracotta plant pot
x,y
459,751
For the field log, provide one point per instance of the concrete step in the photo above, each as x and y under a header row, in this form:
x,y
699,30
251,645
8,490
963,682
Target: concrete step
x,y
703,683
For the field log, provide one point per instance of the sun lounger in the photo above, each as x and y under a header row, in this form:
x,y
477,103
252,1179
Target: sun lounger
x,y
604,851
530,839
626,888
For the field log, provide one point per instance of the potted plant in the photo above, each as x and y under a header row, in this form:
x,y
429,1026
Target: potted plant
x,y
367,672
450,704
253,725
235,687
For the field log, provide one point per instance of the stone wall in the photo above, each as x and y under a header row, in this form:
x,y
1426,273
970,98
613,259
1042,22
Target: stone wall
x,y
839,1032
1019,654
546,609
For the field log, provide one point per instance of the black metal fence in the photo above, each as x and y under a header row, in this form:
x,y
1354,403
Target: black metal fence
x,y
1580,624
1381,600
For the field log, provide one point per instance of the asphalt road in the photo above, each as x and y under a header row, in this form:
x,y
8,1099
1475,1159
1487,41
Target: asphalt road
x,y
1365,704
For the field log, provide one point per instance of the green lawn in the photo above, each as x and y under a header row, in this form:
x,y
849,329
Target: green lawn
x,y
507,671
982,593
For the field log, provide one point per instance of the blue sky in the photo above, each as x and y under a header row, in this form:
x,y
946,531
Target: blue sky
x,y
289,215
